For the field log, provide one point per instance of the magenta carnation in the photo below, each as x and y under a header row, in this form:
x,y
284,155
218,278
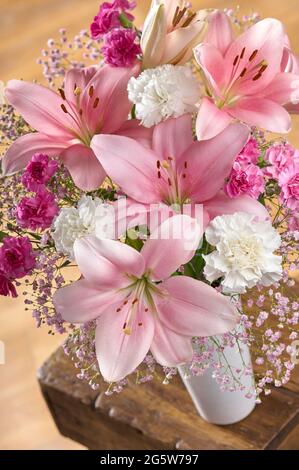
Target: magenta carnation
x,y
105,20
37,212
120,48
124,4
245,179
250,152
280,157
39,172
17,259
6,287
108,17
289,183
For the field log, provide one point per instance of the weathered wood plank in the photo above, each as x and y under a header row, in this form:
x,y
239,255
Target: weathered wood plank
x,y
153,416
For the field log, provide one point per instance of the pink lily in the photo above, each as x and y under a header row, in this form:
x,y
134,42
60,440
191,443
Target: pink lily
x,y
138,305
177,170
93,101
170,32
243,78
290,64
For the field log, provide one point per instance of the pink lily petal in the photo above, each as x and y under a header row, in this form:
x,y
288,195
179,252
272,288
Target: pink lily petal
x,y
77,79
171,245
128,162
165,137
265,37
219,32
82,301
106,263
282,88
170,349
262,113
210,120
222,204
119,353
195,309
210,161
85,169
129,214
107,91
22,150
289,61
134,129
213,64
41,108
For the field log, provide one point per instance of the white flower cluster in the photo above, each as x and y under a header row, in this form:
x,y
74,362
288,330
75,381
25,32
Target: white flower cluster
x,y
244,254
164,92
91,216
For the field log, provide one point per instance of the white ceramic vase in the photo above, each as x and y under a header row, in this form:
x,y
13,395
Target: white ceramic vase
x,y
222,407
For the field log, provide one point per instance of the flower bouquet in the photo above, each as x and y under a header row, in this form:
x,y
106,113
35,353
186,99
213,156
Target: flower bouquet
x,y
147,211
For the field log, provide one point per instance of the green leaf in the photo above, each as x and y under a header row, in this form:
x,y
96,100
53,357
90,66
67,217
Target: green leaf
x,y
135,243
261,198
65,264
124,21
3,235
189,270
35,236
195,267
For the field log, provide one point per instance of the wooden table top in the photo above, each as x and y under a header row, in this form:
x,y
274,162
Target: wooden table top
x,y
154,416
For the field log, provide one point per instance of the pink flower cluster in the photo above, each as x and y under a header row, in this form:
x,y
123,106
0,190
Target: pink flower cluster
x,y
250,152
289,182
38,211
109,17
120,48
283,160
246,177
17,259
279,157
113,25
39,172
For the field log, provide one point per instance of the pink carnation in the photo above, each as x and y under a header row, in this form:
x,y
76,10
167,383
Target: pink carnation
x,y
6,287
105,20
250,152
245,179
17,258
37,212
124,4
280,157
108,17
293,223
120,48
289,183
39,172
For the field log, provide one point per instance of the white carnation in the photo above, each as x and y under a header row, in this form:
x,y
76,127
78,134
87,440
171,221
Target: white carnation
x,y
90,217
163,92
244,254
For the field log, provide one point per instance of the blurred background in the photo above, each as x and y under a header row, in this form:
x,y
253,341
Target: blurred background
x,y
25,26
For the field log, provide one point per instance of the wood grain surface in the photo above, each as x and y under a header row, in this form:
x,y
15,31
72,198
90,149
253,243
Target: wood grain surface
x,y
156,416
25,26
